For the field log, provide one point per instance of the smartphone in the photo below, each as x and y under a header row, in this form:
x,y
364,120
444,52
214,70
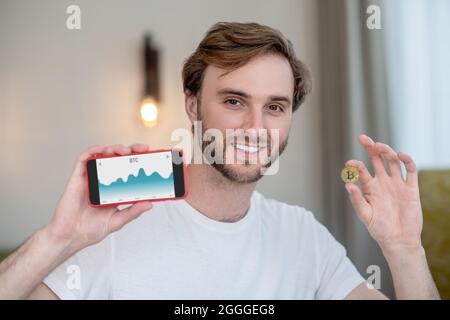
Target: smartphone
x,y
155,176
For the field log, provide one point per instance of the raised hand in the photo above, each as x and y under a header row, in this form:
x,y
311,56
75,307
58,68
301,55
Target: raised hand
x,y
386,203
79,225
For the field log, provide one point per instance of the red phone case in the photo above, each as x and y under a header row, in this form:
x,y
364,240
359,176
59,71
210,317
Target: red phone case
x,y
130,202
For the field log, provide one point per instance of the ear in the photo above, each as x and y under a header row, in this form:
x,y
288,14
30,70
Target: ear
x,y
190,105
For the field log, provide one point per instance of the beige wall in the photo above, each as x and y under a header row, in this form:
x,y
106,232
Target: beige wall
x,y
61,91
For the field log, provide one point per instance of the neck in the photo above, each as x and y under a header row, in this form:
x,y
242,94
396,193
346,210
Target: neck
x,y
215,196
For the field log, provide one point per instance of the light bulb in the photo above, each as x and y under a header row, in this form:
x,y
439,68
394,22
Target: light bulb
x,y
149,112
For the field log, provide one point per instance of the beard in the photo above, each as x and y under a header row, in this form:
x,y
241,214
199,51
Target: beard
x,y
246,171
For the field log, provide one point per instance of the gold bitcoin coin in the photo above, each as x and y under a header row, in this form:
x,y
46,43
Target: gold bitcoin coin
x,y
350,174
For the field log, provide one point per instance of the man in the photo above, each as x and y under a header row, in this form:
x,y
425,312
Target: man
x,y
225,240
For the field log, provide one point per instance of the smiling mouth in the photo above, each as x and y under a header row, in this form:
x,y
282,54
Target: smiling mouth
x,y
251,149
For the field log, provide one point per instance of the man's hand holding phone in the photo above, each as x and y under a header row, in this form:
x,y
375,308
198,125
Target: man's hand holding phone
x,y
77,224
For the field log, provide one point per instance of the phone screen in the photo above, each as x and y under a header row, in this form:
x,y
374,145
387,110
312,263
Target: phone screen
x,y
135,177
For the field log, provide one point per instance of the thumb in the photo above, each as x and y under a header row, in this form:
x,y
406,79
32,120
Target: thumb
x,y
362,207
124,216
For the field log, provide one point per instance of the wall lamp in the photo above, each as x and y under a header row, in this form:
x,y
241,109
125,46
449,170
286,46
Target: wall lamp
x,y
150,104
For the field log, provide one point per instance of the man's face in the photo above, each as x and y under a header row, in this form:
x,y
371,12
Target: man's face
x,y
256,96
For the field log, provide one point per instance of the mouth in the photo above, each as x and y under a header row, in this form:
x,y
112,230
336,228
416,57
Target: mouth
x,y
247,150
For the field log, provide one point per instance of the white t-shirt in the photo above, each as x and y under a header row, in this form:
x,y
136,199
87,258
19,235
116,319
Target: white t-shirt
x,y
276,251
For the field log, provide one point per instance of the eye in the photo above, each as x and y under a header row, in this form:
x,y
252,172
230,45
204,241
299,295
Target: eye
x,y
232,102
275,108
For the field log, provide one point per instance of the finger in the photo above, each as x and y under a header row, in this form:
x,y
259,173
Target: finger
x,y
79,166
362,207
364,175
117,149
411,170
97,149
139,147
392,159
75,182
373,154
124,216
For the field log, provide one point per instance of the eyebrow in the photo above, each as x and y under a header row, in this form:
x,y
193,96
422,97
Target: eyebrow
x,y
243,94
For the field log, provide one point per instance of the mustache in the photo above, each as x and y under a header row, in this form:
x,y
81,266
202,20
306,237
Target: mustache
x,y
250,136
266,142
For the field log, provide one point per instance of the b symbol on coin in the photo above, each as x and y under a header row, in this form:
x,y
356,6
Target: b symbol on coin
x,y
349,174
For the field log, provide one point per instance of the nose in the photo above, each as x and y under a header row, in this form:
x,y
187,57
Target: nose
x,y
254,126
254,119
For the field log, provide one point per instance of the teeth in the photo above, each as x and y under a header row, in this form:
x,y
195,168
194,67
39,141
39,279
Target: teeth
x,y
246,148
